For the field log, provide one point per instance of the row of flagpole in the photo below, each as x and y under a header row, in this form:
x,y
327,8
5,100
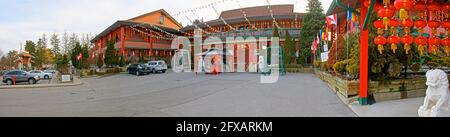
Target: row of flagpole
x,y
324,37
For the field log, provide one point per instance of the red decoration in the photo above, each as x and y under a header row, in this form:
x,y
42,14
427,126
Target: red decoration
x,y
421,8
403,6
446,24
434,42
407,24
446,43
420,42
386,13
433,24
379,25
393,40
420,24
393,24
433,8
380,41
407,41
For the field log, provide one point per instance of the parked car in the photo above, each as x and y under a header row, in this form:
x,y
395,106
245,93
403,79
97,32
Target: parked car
x,y
138,69
50,71
157,66
42,74
20,76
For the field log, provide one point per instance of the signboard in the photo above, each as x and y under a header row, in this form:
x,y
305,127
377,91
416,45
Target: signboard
x,y
325,48
324,56
65,78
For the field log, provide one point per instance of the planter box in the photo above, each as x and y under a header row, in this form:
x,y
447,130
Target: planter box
x,y
393,90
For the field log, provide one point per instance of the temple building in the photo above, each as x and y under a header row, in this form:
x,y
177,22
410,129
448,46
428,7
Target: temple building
x,y
150,35
144,36
255,22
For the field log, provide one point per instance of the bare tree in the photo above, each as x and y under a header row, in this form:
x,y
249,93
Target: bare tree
x,y
65,42
54,41
1,53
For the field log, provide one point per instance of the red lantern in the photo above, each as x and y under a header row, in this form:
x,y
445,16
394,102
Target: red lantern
x,y
407,41
434,42
421,8
403,6
407,24
379,25
433,24
446,7
393,40
386,13
420,42
446,43
420,24
380,41
393,24
433,8
446,25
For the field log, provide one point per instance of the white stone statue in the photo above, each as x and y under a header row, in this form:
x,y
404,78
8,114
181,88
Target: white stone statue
x,y
436,103
263,67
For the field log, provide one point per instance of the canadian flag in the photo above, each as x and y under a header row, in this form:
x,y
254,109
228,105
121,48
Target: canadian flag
x,y
79,57
332,20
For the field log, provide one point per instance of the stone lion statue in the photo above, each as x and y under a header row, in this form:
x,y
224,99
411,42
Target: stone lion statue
x,y
263,67
436,102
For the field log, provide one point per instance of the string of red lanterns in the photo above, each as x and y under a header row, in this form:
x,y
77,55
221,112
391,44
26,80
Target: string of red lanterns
x,y
429,13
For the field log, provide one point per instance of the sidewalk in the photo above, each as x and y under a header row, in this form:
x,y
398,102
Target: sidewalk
x,y
76,82
395,108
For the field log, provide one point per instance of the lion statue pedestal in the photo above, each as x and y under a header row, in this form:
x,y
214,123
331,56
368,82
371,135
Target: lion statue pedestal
x,y
436,103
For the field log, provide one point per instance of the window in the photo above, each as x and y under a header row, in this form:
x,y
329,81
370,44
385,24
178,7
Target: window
x,y
161,19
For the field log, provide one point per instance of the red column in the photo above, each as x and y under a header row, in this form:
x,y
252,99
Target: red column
x,y
151,44
364,59
122,38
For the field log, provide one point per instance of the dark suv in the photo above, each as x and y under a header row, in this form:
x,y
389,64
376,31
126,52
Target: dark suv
x,y
19,76
138,69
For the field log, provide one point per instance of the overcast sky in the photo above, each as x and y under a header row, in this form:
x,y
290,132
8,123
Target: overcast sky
x,y
22,20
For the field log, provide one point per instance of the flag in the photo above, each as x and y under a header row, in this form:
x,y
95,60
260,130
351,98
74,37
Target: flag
x,y
349,15
332,20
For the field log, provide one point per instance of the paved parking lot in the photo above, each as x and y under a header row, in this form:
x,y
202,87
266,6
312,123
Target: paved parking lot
x,y
179,94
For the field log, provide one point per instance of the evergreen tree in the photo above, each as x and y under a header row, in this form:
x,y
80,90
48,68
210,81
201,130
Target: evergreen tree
x,y
30,47
100,61
75,53
313,21
109,53
84,60
288,49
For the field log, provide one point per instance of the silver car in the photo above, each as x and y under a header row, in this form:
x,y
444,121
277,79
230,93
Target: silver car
x,y
157,66
17,76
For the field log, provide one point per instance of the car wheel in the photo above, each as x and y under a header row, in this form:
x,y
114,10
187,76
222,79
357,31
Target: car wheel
x,y
46,77
137,73
31,81
9,82
164,71
154,71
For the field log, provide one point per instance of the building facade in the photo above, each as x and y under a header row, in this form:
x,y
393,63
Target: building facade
x,y
150,35
144,37
254,22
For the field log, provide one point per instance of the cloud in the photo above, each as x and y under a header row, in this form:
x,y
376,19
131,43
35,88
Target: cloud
x,y
23,20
